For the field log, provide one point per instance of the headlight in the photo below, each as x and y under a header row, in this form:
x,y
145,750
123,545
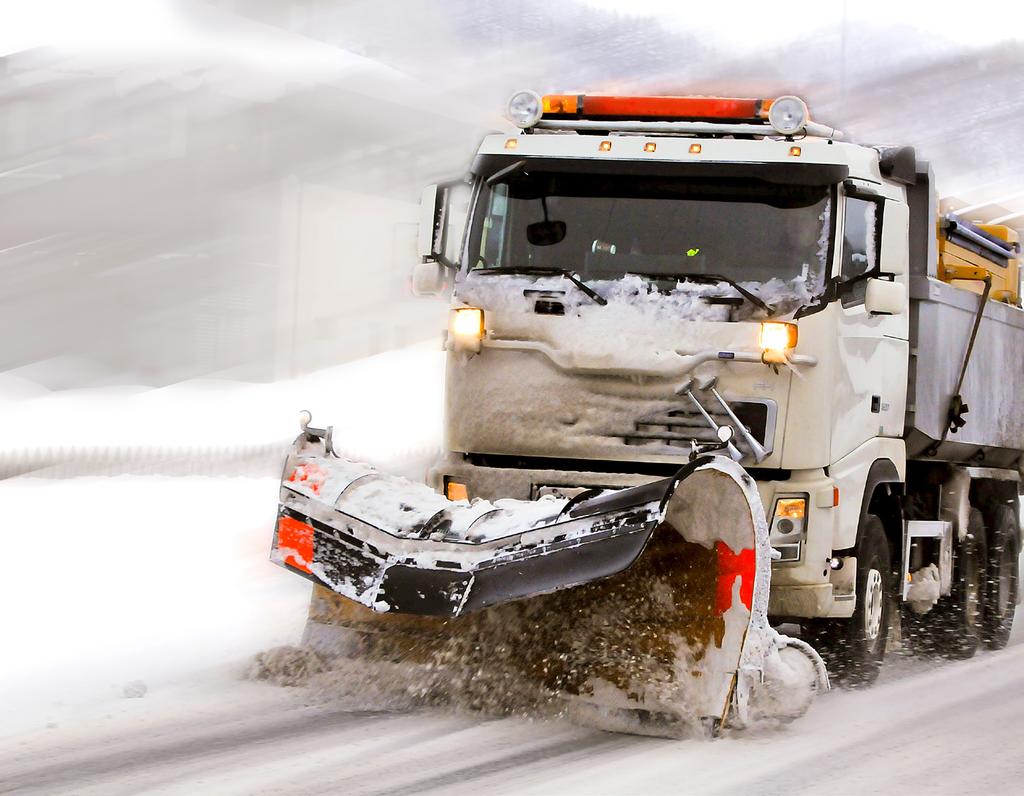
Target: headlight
x,y
524,109
776,339
788,115
787,528
789,514
466,328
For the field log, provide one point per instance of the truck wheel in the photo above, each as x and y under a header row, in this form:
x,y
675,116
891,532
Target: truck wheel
x,y
952,629
853,648
1001,581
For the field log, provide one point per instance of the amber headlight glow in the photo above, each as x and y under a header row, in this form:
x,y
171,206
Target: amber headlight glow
x,y
776,340
466,328
789,515
788,521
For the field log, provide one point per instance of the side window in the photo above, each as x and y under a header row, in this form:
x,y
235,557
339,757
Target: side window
x,y
862,221
493,231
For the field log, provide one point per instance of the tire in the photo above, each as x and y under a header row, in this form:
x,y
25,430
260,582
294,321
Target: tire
x,y
1001,581
854,648
953,628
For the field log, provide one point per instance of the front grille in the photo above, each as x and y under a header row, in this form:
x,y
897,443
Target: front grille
x,y
679,425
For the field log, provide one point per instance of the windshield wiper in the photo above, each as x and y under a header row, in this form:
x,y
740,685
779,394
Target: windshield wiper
x,y
593,294
753,298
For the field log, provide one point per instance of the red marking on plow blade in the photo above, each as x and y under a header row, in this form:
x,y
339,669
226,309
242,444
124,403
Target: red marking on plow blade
x,y
295,540
312,473
731,566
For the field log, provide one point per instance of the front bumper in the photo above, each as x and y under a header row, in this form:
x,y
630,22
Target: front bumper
x,y
800,589
435,557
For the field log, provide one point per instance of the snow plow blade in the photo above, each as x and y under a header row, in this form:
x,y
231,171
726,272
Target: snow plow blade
x,y
657,593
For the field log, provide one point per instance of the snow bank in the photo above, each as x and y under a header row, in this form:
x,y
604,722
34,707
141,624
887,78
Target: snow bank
x,y
106,581
128,582
385,409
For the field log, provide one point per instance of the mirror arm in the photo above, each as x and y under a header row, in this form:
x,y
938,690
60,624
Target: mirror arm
x,y
837,286
844,285
442,260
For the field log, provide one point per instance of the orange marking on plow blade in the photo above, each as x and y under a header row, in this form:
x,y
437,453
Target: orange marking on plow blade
x,y
731,566
310,472
295,540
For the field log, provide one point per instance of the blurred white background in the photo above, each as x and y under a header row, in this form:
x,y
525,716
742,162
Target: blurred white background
x,y
229,189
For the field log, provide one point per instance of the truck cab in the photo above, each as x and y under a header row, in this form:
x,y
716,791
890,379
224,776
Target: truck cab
x,y
636,273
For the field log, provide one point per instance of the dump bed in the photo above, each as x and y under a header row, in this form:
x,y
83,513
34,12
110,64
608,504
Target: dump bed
x,y
941,318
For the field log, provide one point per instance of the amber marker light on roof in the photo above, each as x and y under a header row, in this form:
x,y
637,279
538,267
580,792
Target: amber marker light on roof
x,y
694,149
795,151
512,143
560,103
650,146
605,146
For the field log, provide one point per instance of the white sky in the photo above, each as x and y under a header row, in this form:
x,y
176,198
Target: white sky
x,y
750,23
154,27
99,23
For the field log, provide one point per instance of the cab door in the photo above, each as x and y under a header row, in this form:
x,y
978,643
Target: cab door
x,y
870,394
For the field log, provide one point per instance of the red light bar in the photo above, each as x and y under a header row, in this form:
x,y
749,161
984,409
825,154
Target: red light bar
x,y
591,106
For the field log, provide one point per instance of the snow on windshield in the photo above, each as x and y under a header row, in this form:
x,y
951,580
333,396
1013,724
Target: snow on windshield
x,y
517,294
772,239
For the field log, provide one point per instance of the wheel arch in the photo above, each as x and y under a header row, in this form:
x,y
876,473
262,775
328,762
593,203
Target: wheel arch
x,y
882,496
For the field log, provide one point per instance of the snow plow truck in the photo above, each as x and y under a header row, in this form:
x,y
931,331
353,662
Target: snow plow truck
x,y
710,370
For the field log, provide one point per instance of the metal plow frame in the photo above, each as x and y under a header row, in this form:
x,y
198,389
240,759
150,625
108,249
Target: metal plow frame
x,y
394,546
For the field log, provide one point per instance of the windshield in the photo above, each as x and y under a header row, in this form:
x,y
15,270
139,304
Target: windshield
x,y
605,226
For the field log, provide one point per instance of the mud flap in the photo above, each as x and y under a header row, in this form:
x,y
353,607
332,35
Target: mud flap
x,y
652,597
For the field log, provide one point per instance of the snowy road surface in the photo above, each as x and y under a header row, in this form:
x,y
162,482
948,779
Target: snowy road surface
x,y
79,635
953,729
160,585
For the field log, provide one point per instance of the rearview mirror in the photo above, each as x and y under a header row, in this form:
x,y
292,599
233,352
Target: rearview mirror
x,y
430,242
884,297
443,211
546,233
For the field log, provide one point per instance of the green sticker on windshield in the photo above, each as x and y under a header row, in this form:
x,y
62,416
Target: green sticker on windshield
x,y
692,252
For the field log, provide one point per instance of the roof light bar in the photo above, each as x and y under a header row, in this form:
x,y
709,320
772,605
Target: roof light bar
x,y
786,115
596,106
